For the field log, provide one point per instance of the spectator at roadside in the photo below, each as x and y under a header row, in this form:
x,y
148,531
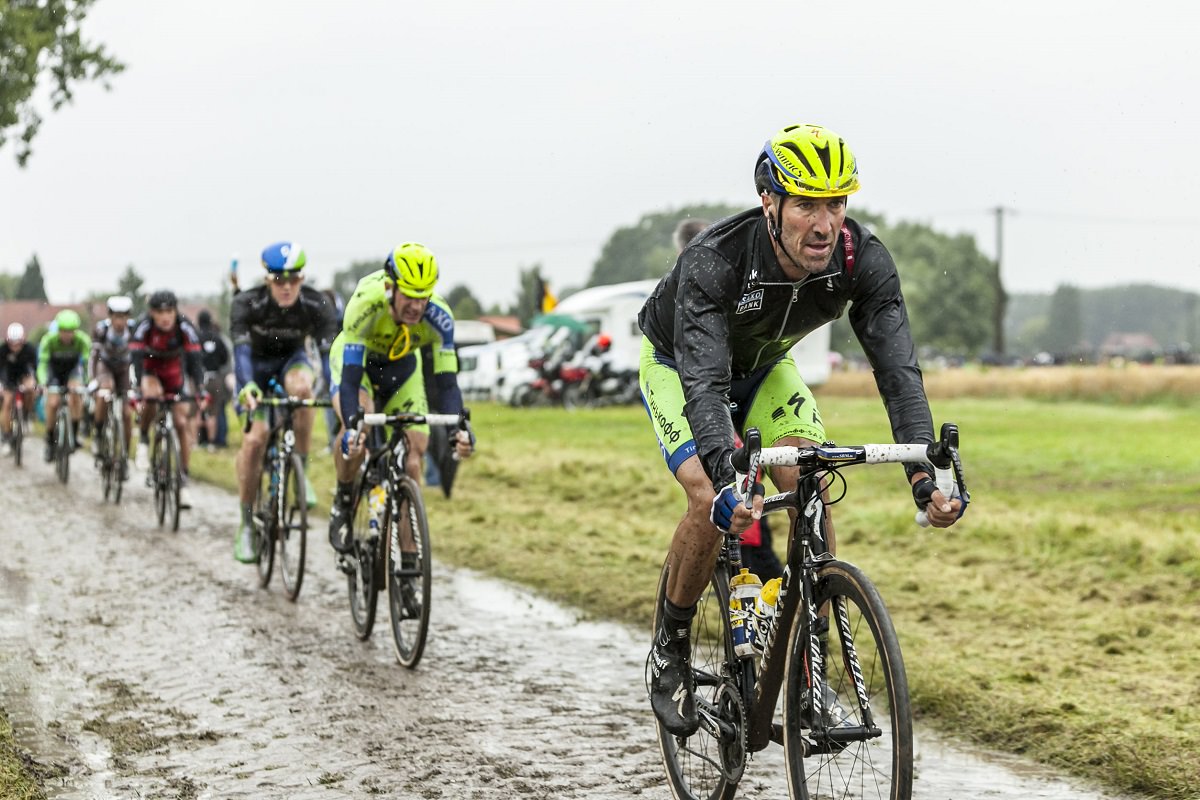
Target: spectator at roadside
x,y
214,355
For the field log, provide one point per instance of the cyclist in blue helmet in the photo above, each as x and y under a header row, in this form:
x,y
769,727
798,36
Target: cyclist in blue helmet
x,y
269,324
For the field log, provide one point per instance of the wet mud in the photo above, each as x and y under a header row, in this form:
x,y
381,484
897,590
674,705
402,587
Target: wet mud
x,y
136,662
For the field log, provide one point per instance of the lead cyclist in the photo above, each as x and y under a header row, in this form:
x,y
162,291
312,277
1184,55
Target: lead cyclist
x,y
717,331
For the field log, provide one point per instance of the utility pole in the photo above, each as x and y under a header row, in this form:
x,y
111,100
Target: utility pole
x,y
1001,304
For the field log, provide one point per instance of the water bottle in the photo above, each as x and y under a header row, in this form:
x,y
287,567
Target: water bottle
x,y
274,473
764,611
744,589
376,499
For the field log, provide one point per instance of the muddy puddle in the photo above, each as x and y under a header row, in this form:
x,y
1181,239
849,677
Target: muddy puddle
x,y
139,663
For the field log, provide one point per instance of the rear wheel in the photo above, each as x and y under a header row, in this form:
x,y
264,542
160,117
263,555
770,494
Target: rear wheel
x,y
861,641
292,531
694,764
410,574
264,524
361,582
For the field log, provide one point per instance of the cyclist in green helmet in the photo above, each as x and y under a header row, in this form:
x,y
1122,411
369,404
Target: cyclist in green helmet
x,y
62,361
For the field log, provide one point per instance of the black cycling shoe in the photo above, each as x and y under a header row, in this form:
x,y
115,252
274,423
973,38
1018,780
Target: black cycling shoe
x,y
339,528
49,454
411,604
672,683
833,713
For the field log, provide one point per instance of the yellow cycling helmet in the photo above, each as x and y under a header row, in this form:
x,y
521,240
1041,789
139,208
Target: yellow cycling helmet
x,y
413,269
806,160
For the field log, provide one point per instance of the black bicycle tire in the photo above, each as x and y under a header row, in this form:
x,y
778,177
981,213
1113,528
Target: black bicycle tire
x,y
292,532
117,424
883,663
710,648
104,456
362,609
409,640
62,438
263,511
174,479
156,481
18,431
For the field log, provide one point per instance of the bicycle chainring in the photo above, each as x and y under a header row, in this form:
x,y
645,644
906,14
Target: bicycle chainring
x,y
733,713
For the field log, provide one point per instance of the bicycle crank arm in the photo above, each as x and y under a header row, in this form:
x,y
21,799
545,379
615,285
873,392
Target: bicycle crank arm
x,y
715,726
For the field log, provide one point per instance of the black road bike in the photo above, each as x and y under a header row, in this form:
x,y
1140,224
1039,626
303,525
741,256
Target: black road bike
x,y
280,501
64,432
165,475
19,423
390,532
829,647
112,458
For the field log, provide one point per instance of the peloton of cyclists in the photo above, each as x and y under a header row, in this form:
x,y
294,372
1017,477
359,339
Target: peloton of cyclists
x,y
19,374
109,364
269,324
165,350
375,364
62,362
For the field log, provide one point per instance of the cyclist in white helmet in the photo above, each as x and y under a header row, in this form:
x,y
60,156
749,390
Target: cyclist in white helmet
x,y
17,374
109,363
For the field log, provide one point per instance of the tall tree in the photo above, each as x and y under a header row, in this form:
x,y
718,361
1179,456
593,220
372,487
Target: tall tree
x,y
645,250
463,303
8,286
31,286
130,285
344,280
43,37
946,283
529,295
1064,324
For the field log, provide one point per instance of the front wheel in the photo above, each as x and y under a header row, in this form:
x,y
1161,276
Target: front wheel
x,y
292,531
116,451
62,455
410,572
18,432
694,764
171,478
863,744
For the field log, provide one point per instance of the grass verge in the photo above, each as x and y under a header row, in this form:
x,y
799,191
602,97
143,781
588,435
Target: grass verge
x,y
19,776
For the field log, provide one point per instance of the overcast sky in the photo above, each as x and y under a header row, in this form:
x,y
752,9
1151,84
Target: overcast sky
x,y
508,134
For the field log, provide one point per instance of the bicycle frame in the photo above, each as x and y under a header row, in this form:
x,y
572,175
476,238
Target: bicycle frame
x,y
807,553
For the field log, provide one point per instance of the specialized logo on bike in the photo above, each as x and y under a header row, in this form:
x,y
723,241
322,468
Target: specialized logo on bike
x,y
751,301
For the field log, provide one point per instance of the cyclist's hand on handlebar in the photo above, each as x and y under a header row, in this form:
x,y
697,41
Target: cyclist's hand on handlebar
x,y
464,444
354,438
940,511
729,512
249,396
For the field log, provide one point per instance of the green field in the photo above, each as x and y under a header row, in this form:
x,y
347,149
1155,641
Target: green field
x,y
1059,619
